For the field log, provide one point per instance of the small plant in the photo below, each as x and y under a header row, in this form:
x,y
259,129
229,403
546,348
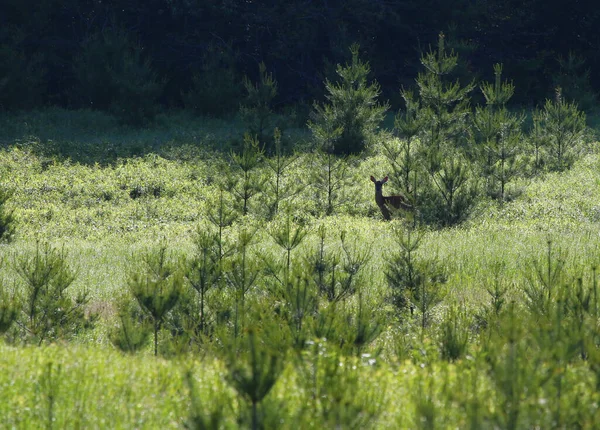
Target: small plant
x,y
156,286
444,105
402,153
256,111
454,335
241,276
202,417
329,180
246,162
352,110
288,237
560,127
402,272
279,164
7,217
253,371
336,274
497,136
48,312
133,330
9,309
222,215
204,273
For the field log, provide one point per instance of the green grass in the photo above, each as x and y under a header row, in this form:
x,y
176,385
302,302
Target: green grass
x,y
106,194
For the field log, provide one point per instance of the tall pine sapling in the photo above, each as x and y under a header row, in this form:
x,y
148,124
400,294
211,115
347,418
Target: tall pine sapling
x,y
157,286
241,277
204,272
562,126
247,162
497,136
48,312
444,105
256,111
279,163
403,157
352,108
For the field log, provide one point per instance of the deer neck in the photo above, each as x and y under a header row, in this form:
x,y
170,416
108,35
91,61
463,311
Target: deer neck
x,y
379,199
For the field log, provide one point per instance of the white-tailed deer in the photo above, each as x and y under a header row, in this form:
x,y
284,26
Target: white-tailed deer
x,y
399,201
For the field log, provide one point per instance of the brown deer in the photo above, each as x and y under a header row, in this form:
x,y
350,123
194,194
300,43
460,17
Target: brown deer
x,y
399,201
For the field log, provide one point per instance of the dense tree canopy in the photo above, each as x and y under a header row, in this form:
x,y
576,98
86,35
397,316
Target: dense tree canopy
x,y
300,41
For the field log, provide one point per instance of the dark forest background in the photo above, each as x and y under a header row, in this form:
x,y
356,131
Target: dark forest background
x,y
162,54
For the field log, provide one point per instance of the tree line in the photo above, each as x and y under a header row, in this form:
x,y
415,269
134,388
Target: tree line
x,y
188,53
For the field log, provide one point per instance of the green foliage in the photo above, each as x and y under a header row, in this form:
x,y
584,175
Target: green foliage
x,y
444,104
279,189
439,119
256,111
558,129
241,275
335,390
454,193
7,217
573,78
204,275
497,137
348,123
454,335
133,330
299,283
253,371
329,178
201,417
48,312
9,309
113,75
246,162
403,154
156,286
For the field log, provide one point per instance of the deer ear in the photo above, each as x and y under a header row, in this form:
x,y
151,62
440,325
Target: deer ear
x,y
373,179
384,180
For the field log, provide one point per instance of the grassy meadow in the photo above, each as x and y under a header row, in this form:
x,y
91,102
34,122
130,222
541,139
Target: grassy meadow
x,y
509,338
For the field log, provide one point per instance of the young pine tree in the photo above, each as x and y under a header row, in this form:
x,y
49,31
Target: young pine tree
x,y
561,126
246,163
256,111
444,114
352,108
497,137
157,286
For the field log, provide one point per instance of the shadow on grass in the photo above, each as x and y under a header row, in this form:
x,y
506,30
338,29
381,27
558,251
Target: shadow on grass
x,y
90,137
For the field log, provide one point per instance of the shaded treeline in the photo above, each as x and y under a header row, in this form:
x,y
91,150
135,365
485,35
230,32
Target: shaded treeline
x,y
46,47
